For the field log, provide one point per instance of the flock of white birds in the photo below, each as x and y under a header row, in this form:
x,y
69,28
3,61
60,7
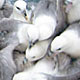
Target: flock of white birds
x,y
40,31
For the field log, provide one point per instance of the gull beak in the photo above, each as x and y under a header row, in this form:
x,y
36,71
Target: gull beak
x,y
25,60
30,45
56,53
51,53
25,14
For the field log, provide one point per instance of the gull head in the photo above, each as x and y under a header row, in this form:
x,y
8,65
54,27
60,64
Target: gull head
x,y
35,53
20,8
58,45
38,51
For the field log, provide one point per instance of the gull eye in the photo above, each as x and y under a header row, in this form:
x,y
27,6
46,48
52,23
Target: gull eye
x,y
18,8
35,42
59,49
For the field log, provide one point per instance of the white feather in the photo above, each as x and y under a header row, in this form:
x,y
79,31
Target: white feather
x,y
37,71
33,33
41,30
17,14
22,33
69,42
46,26
37,51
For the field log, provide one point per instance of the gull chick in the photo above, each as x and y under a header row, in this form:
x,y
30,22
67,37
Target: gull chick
x,y
68,42
19,11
